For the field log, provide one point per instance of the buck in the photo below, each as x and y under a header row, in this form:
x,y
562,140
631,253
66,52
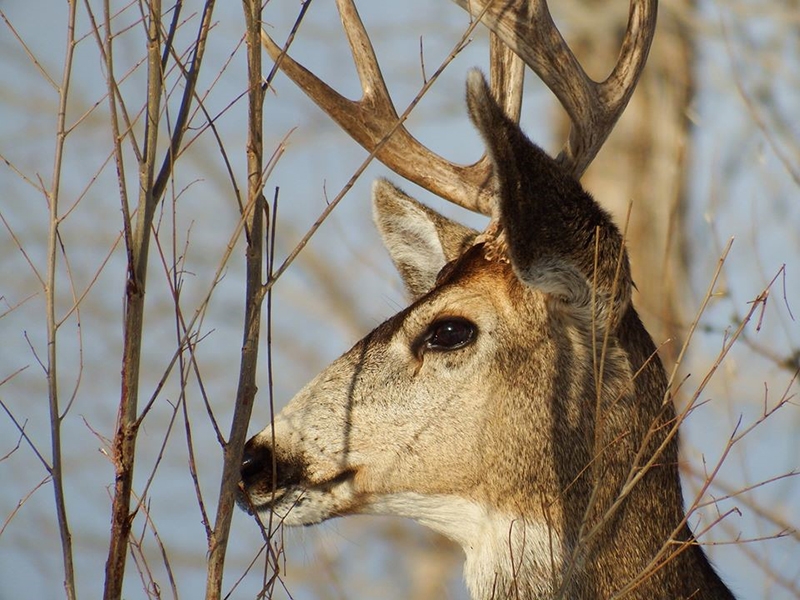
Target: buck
x,y
518,405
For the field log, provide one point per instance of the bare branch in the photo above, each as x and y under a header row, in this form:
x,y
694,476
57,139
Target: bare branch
x,y
53,242
254,295
45,75
21,429
21,503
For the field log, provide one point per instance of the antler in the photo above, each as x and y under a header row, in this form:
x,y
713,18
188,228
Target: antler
x,y
372,118
520,27
593,107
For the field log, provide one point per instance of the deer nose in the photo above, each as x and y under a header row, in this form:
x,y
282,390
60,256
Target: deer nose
x,y
249,465
253,461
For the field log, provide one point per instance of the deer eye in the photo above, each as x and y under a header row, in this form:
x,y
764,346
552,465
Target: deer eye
x,y
449,334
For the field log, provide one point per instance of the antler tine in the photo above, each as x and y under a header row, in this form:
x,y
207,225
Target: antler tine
x,y
373,122
369,72
506,77
593,107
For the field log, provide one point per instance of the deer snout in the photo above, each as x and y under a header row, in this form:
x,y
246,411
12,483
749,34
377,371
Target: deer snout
x,y
265,475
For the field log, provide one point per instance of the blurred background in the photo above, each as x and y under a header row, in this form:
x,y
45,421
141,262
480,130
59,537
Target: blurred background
x,y
708,151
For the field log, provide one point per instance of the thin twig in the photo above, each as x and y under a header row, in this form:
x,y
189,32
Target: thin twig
x,y
21,430
21,248
53,197
30,53
742,496
21,503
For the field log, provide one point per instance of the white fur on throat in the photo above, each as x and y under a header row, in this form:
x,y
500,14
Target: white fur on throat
x,y
503,553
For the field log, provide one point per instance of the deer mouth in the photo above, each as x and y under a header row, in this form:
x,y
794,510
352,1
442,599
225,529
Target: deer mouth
x,y
289,494
252,504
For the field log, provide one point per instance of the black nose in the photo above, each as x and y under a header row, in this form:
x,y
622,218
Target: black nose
x,y
254,460
249,466
257,467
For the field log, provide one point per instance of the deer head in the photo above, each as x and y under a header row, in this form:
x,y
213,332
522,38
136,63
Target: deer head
x,y
518,405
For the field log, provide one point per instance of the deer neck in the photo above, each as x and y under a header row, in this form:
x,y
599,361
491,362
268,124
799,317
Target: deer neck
x,y
507,556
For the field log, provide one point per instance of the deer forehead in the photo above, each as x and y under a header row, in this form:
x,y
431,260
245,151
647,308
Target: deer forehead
x,y
478,287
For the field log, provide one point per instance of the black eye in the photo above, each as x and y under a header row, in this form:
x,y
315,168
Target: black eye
x,y
449,334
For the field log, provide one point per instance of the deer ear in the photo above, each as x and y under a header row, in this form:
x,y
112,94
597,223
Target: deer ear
x,y
419,240
559,239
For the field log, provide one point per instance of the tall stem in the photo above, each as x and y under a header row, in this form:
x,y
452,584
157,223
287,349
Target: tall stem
x,y
124,445
254,296
56,467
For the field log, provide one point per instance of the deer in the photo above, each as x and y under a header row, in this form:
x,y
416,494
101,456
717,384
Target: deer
x,y
518,405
